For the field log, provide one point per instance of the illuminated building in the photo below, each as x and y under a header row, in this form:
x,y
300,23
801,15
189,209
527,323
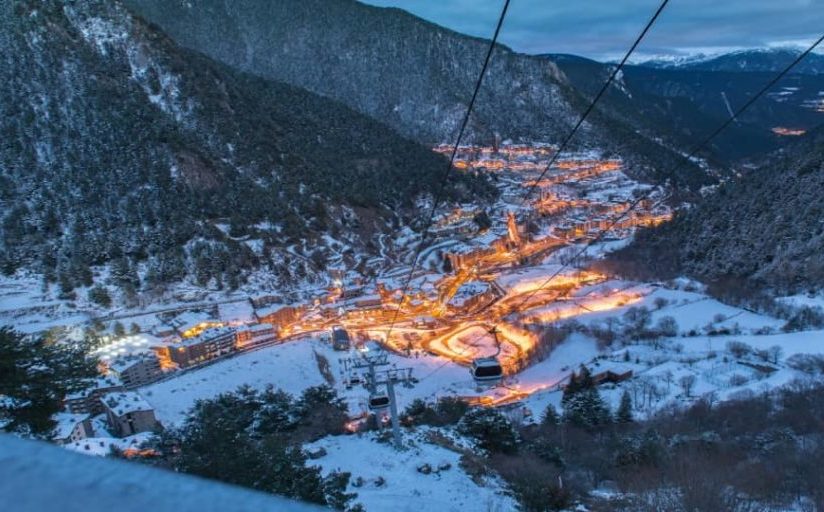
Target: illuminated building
x,y
136,370
87,401
791,132
207,345
254,335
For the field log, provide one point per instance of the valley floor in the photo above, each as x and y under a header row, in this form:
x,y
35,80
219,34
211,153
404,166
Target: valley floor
x,y
667,344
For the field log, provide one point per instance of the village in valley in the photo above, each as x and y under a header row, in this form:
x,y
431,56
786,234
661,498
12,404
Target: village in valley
x,y
501,308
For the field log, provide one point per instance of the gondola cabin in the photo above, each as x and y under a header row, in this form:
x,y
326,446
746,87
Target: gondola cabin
x,y
378,402
340,338
487,371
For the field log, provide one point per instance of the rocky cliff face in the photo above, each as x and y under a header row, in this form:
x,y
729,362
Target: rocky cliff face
x,y
119,145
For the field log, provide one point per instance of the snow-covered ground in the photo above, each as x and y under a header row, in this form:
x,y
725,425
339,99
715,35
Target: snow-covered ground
x,y
387,479
102,446
291,367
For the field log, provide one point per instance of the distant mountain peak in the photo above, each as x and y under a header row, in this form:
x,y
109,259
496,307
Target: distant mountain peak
x,y
744,60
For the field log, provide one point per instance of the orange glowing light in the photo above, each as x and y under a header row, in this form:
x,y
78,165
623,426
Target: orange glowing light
x,y
788,132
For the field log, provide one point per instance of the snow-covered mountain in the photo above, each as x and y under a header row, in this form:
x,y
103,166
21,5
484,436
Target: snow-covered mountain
x,y
118,145
404,71
764,228
751,60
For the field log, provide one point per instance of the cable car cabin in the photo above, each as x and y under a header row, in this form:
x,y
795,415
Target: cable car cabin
x,y
378,402
487,370
340,338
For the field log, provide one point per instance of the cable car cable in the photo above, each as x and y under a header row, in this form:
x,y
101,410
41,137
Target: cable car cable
x,y
687,158
437,198
598,96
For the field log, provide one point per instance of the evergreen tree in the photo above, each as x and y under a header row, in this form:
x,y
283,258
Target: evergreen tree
x,y
577,382
624,413
586,409
34,378
66,287
550,416
418,412
100,296
583,405
253,439
490,428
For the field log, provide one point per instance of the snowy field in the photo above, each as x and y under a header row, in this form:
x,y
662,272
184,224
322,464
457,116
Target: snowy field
x,y
390,480
291,367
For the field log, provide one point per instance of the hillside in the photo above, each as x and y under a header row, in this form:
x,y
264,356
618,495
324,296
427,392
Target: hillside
x,y
764,228
684,104
411,74
117,145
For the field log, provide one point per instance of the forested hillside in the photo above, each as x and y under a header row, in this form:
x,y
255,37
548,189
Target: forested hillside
x,y
409,73
765,228
117,145
684,105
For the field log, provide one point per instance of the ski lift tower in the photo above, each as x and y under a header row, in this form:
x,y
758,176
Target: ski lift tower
x,y
388,379
379,380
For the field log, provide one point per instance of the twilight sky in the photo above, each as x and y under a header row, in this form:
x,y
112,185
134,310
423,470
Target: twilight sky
x,y
604,29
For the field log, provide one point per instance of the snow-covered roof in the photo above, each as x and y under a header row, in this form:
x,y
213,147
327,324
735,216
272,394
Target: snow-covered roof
x,y
189,319
268,310
257,328
66,422
207,335
102,382
468,290
125,402
121,364
425,282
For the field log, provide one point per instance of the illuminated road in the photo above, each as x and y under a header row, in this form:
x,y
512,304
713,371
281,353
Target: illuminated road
x,y
520,292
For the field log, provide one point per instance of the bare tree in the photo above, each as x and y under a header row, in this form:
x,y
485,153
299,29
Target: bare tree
x,y
668,378
687,382
775,353
667,326
738,349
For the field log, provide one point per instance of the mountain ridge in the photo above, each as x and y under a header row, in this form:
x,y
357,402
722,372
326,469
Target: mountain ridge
x,y
686,105
409,73
746,60
763,229
121,146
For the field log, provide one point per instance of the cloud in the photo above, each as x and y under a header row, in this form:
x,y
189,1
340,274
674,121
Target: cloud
x,y
606,28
